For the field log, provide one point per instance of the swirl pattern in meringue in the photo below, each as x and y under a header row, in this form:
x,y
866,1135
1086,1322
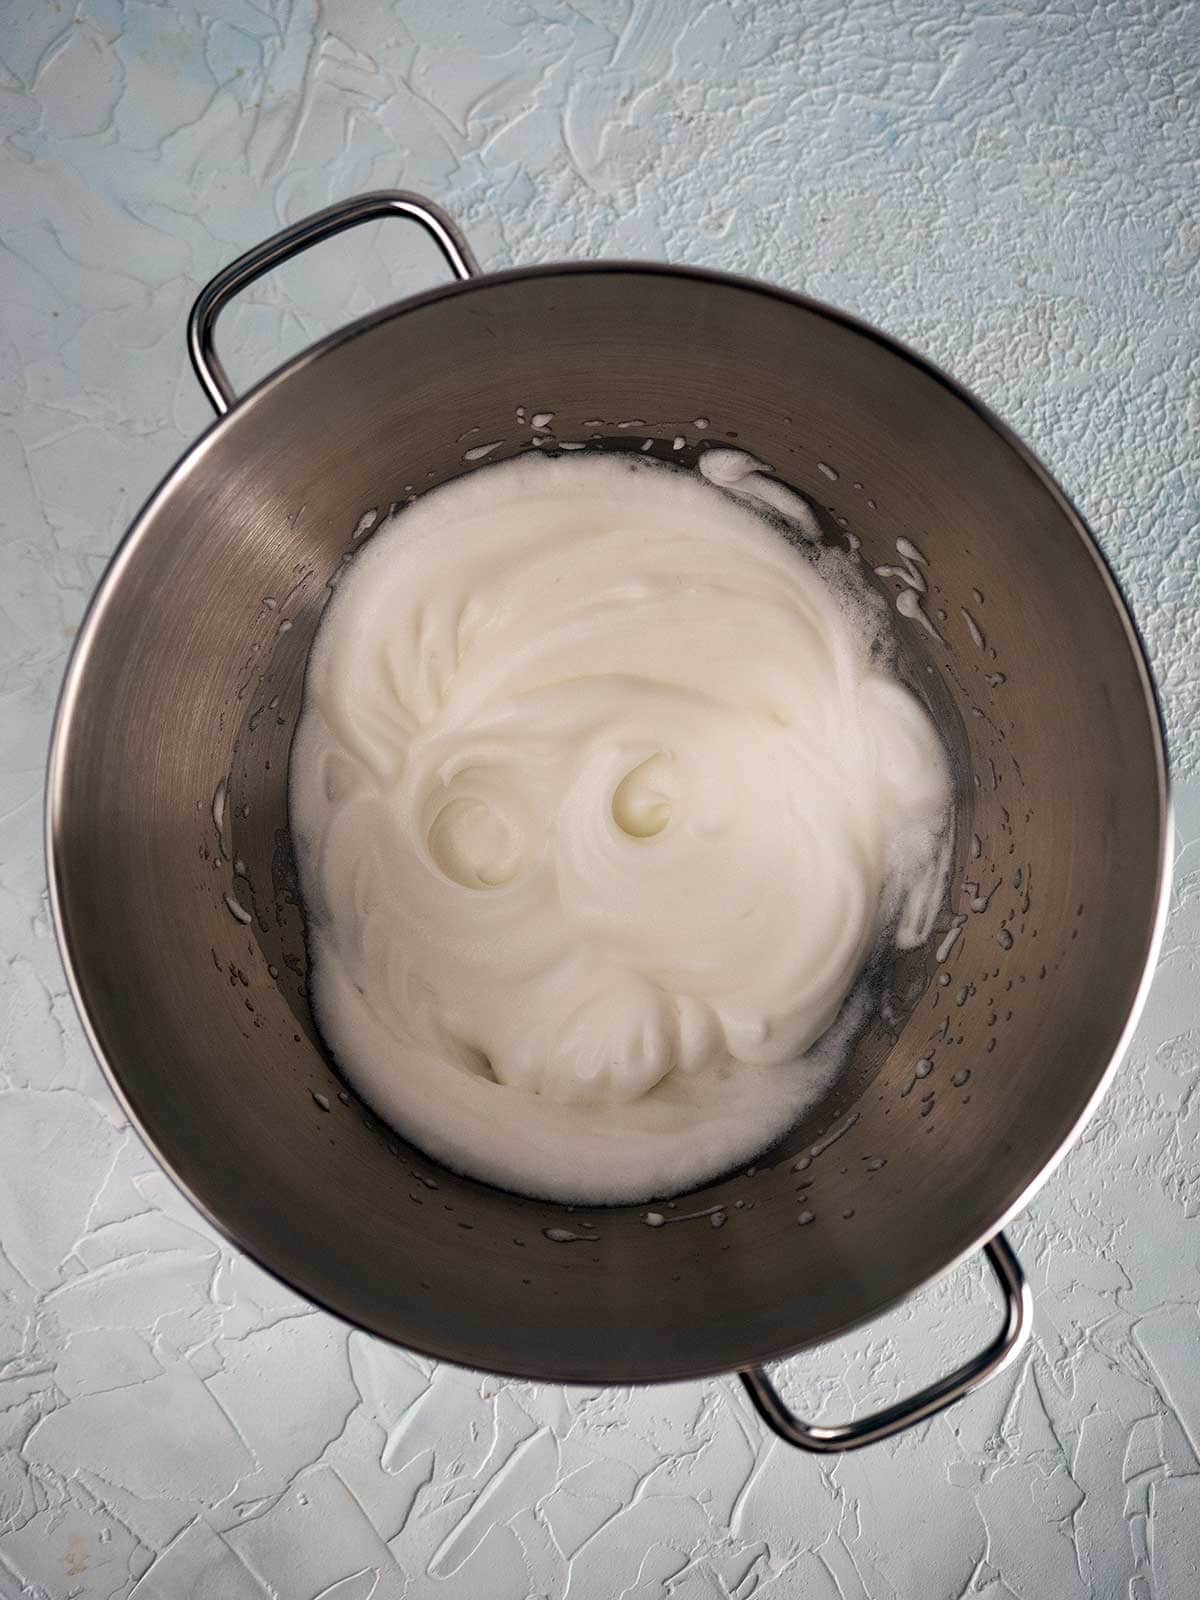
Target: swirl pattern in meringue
x,y
602,795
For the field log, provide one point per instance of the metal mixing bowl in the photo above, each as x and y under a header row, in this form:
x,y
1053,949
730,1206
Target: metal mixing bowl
x,y
167,825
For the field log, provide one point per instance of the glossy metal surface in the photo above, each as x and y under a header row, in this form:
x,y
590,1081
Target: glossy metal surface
x,y
833,1438
186,680
289,242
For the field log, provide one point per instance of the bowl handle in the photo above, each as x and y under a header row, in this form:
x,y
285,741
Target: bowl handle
x,y
290,242
833,1438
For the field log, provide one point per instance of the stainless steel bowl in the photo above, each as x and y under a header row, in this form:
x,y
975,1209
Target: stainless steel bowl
x,y
167,825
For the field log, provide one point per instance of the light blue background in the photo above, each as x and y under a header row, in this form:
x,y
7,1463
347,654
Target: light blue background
x,y
1013,191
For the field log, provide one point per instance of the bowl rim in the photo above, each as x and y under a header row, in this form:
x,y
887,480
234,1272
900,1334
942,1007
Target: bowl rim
x,y
679,1367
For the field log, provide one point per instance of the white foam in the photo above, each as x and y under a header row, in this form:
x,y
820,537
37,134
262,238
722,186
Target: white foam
x,y
602,795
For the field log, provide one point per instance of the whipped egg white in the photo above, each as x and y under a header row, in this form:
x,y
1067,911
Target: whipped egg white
x,y
602,793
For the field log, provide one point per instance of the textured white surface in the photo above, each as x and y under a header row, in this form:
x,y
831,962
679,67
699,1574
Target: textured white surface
x,y
1012,191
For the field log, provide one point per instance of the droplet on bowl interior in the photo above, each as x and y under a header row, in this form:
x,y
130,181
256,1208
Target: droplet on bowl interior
x,y
237,910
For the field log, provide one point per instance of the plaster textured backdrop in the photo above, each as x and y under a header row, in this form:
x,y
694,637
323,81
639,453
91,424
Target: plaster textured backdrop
x,y
1014,190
